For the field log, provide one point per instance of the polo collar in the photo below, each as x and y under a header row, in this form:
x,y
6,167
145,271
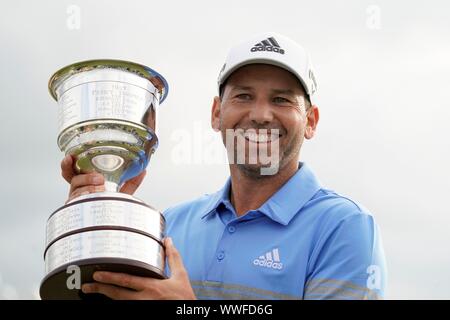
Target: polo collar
x,y
281,206
221,196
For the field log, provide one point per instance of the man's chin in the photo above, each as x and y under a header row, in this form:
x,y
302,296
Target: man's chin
x,y
259,171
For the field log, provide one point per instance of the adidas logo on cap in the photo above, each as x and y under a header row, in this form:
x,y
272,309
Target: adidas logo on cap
x,y
270,260
269,44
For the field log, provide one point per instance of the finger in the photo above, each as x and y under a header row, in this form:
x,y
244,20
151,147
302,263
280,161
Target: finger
x,y
67,168
75,195
86,190
174,259
121,280
110,291
131,185
87,179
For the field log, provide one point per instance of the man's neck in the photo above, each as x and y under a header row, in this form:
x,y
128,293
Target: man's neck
x,y
249,193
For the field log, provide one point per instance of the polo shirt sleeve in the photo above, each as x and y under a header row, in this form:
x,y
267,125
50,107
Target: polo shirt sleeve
x,y
348,263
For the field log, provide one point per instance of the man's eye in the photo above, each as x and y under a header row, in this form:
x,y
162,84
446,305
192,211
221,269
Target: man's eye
x,y
243,96
280,100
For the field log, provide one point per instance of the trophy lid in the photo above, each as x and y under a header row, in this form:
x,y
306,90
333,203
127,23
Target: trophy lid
x,y
143,71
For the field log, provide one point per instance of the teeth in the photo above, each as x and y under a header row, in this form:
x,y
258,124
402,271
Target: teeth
x,y
260,137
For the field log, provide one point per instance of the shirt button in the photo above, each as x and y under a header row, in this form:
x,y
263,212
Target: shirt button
x,y
221,255
231,229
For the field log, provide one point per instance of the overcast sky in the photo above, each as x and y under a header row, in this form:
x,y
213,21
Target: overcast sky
x,y
383,71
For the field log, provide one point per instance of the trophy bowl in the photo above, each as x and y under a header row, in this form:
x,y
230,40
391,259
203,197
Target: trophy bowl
x,y
107,121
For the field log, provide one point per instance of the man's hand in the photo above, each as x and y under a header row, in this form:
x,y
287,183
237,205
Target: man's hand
x,y
127,287
85,183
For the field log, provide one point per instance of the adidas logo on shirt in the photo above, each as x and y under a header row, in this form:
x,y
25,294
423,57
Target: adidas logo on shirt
x,y
270,260
269,44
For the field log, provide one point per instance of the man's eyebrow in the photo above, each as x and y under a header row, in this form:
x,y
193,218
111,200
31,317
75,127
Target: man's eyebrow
x,y
283,91
238,87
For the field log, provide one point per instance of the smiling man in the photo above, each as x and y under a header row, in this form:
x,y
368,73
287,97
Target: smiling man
x,y
273,231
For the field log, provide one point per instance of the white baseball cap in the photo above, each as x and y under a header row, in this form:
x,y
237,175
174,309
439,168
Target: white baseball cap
x,y
275,49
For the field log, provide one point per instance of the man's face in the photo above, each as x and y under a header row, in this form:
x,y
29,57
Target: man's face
x,y
265,105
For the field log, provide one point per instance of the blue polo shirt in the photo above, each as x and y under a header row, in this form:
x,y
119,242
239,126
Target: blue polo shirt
x,y
305,242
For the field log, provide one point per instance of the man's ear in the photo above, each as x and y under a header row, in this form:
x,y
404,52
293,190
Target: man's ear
x,y
312,118
215,114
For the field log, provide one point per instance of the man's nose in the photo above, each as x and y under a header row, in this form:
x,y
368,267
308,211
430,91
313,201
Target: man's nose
x,y
261,112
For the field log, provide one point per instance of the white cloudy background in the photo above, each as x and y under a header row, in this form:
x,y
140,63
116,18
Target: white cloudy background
x,y
384,94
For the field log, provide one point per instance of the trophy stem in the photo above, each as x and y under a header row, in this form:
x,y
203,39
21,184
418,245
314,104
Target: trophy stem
x,y
111,186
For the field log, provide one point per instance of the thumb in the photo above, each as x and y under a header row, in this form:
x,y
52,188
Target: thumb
x,y
176,265
67,168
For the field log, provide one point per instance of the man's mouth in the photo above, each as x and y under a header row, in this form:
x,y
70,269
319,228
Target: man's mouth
x,y
261,136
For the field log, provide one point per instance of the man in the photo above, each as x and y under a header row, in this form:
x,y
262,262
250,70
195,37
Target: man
x,y
267,234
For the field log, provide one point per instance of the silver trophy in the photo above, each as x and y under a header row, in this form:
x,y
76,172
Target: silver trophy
x,y
107,120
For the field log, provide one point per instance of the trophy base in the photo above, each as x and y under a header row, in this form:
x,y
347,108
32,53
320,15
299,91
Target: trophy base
x,y
104,231
55,287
